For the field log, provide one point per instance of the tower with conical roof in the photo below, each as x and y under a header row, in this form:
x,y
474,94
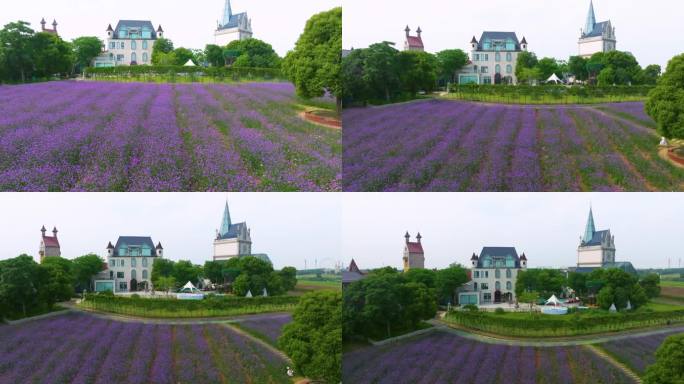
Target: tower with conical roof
x,y
232,239
232,26
49,245
596,248
596,36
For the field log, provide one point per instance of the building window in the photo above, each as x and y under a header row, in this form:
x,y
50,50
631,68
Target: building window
x,y
498,56
112,263
123,45
508,273
144,262
133,57
144,44
509,57
497,274
508,285
111,274
134,45
484,286
497,286
144,274
120,58
475,286
487,297
486,274
486,80
498,68
120,275
112,45
484,70
477,274
122,263
144,57
133,262
509,69
486,57
123,286
133,274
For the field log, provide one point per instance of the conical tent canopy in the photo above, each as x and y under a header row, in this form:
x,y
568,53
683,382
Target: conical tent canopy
x,y
265,292
612,308
554,79
249,293
190,63
553,300
189,287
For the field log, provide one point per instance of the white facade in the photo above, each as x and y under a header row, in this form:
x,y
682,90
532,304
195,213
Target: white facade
x,y
493,59
414,256
232,27
232,240
596,37
129,265
131,43
596,248
493,276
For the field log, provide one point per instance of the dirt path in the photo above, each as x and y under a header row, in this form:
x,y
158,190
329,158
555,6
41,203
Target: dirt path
x,y
611,360
319,121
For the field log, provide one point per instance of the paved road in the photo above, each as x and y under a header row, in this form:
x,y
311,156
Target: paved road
x,y
579,340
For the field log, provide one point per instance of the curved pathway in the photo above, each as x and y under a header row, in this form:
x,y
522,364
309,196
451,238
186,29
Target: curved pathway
x,y
579,340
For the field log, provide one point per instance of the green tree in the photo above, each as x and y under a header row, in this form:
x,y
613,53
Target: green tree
x,y
449,62
161,268
528,75
214,55
315,63
606,297
56,282
578,282
52,55
577,65
530,297
355,87
417,71
86,48
184,271
606,77
666,101
525,60
213,271
84,267
637,296
182,55
546,282
289,278
669,366
651,285
160,49
19,285
650,74
423,276
547,66
254,53
165,283
15,40
417,303
447,281
381,71
313,340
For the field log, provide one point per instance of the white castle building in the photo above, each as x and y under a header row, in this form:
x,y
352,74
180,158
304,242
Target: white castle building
x,y
493,276
131,43
596,37
232,240
414,257
232,27
129,265
49,245
493,59
596,248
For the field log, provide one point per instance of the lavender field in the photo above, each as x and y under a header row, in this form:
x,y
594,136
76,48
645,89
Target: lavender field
x,y
268,327
99,136
637,353
441,357
442,145
77,348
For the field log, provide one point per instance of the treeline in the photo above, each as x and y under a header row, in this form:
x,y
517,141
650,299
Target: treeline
x,y
28,288
601,286
604,69
235,73
237,275
388,302
382,74
250,53
554,91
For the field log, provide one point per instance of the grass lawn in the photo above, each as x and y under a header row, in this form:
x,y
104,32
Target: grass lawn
x,y
33,313
668,283
539,100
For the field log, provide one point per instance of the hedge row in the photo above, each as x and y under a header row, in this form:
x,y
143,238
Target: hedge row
x,y
563,325
558,91
172,70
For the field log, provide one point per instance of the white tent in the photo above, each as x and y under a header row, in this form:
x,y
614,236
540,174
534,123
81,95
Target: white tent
x,y
554,79
629,305
553,300
612,308
663,142
189,287
190,63
265,292
249,293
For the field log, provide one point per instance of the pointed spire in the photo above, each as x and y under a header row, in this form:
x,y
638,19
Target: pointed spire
x,y
407,236
54,231
43,230
227,13
473,41
110,246
110,29
160,29
524,41
407,30
419,31
591,19
590,229
42,21
419,237
225,222
159,246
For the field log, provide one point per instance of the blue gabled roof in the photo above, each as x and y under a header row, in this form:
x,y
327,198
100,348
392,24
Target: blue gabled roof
x,y
142,24
491,35
498,252
234,21
598,29
232,231
598,237
136,241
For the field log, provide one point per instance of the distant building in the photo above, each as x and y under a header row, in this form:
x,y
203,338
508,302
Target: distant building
x,y
232,240
49,245
131,43
232,27
352,274
494,274
493,59
129,265
596,37
414,257
46,30
413,43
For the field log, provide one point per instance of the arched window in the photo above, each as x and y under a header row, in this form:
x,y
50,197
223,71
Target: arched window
x,y
508,273
475,286
133,262
144,44
122,263
498,68
144,57
509,68
134,45
497,286
508,285
509,57
133,57
498,56
145,275
144,263
497,274
133,275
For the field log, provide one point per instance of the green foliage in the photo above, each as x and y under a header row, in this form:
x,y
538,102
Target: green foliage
x,y
669,366
417,71
449,62
547,67
84,267
666,102
184,271
86,48
161,268
214,55
165,283
530,297
253,53
605,298
651,285
578,282
577,65
315,63
160,51
650,75
216,73
499,311
616,286
288,277
447,281
314,338
182,55
15,44
525,60
546,282
471,308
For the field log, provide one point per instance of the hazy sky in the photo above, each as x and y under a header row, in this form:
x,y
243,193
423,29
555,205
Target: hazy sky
x,y
288,226
546,226
190,24
648,29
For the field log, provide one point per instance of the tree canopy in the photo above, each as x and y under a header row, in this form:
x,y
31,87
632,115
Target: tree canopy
x,y
86,48
315,63
666,101
253,53
449,62
669,366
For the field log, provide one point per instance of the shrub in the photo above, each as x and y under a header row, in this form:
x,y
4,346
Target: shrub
x,y
499,311
471,308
